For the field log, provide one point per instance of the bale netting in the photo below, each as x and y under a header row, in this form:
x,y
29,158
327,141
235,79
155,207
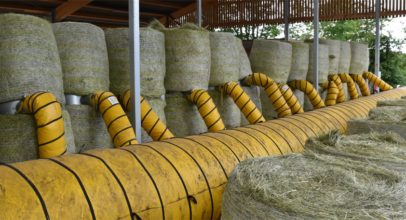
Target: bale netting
x,y
323,63
312,186
244,62
272,58
152,60
188,58
254,93
358,57
345,57
182,117
83,52
224,58
19,137
229,111
89,129
29,58
300,61
334,48
391,102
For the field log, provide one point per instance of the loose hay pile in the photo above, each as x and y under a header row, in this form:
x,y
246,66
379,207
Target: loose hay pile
x,y
300,61
272,58
391,102
188,58
254,93
388,113
312,186
28,54
88,128
152,60
358,57
229,111
224,58
244,61
19,138
182,117
345,57
83,52
323,63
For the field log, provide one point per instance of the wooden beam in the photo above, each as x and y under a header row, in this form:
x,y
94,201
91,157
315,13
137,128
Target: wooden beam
x,y
188,9
161,3
69,7
98,17
25,8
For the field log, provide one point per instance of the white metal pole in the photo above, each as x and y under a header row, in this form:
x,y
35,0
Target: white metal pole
x,y
377,37
287,14
316,46
134,42
199,13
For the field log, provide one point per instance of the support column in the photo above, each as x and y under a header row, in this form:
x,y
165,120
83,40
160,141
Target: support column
x,y
135,90
287,15
199,13
377,36
316,45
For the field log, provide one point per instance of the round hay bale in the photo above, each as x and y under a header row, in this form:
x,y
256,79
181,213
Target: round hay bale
x,y
244,62
229,111
19,137
334,48
367,61
254,93
300,61
182,117
83,52
29,58
152,60
346,93
88,128
388,113
379,125
268,110
358,57
312,186
323,63
391,102
345,57
272,58
224,58
188,58
299,95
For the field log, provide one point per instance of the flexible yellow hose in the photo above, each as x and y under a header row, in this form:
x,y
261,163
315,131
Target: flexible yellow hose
x,y
114,117
376,81
207,109
352,90
150,121
332,93
363,87
243,101
271,89
291,99
48,114
310,91
341,95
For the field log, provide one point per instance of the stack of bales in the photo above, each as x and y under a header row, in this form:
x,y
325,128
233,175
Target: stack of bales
x,y
83,54
274,59
188,63
359,57
254,93
334,51
344,64
152,67
29,63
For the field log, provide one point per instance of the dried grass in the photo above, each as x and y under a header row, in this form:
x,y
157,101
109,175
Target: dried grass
x,y
323,63
244,62
391,102
358,57
345,57
300,61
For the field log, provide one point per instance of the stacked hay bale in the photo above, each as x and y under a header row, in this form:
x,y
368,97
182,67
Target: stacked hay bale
x,y
224,58
244,62
268,111
254,93
367,62
152,61
83,52
323,63
345,57
19,137
358,57
229,111
182,117
334,48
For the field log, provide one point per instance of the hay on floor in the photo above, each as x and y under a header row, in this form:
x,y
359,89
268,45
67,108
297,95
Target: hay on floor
x,y
345,57
243,62
254,93
29,58
229,111
323,63
300,61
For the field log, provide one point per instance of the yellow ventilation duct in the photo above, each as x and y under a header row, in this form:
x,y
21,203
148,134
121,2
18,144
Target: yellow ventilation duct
x,y
352,90
363,87
376,81
273,92
341,95
118,125
332,93
150,121
207,109
48,114
310,91
291,99
243,101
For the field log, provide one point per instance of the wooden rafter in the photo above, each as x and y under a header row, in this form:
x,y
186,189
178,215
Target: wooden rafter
x,y
188,9
24,8
69,7
161,3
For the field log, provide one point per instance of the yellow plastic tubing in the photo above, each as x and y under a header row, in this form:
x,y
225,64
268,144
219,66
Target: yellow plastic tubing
x,y
352,90
375,80
48,114
207,109
114,117
150,121
310,91
178,178
332,92
291,99
341,95
274,94
243,101
363,87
